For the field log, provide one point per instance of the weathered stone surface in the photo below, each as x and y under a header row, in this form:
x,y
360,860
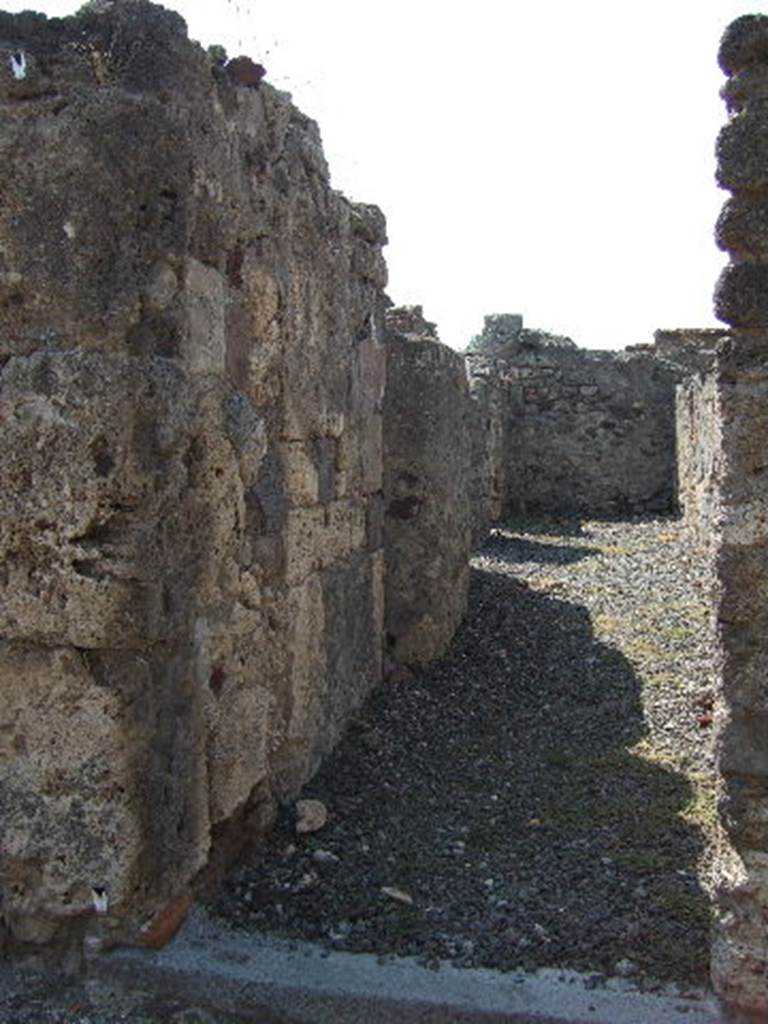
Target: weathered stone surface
x,y
94,460
742,151
744,43
426,490
738,394
740,951
741,295
742,228
70,818
191,392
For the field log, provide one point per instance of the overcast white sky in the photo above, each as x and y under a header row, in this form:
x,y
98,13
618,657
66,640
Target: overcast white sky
x,y
549,158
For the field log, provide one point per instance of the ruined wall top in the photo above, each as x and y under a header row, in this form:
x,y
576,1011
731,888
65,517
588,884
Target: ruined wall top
x,y
504,340
504,334
692,348
408,322
141,45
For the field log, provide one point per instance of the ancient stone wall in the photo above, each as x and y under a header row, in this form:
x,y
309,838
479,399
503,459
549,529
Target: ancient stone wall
x,y
740,952
585,431
191,592
426,489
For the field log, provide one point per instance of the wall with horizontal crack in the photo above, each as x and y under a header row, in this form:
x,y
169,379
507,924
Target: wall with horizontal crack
x,y
191,594
426,489
740,949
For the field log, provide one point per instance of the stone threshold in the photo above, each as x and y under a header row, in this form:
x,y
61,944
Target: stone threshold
x,y
274,981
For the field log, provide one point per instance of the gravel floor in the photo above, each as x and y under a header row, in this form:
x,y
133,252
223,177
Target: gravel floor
x,y
542,796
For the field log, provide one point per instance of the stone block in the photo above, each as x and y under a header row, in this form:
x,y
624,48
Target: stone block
x,y
299,736
744,811
94,462
741,299
204,346
742,228
318,536
71,816
743,743
742,151
744,43
239,725
300,473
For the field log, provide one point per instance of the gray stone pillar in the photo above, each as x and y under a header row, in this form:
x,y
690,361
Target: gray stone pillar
x,y
426,489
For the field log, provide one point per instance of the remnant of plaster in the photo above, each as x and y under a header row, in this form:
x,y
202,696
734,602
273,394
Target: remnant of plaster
x,y
19,65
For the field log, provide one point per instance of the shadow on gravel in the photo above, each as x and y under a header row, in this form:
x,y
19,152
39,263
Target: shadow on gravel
x,y
496,796
511,549
561,526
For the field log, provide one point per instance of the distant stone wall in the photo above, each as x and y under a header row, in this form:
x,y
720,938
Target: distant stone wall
x,y
191,571
585,431
426,489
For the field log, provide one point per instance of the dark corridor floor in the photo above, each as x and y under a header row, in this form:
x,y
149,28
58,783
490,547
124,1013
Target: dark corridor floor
x,y
541,796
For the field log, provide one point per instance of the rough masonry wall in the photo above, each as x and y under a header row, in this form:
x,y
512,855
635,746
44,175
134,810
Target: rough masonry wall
x,y
586,431
191,594
426,489
740,950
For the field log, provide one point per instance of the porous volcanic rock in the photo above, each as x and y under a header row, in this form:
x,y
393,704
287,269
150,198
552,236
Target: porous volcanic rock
x,y
191,594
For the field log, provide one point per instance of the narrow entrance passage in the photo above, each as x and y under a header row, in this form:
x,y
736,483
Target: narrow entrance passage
x,y
544,794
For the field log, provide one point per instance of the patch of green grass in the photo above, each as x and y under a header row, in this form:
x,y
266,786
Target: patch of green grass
x,y
693,907
664,680
695,611
560,759
545,583
678,632
642,649
701,808
607,625
585,565
616,549
485,835
646,860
